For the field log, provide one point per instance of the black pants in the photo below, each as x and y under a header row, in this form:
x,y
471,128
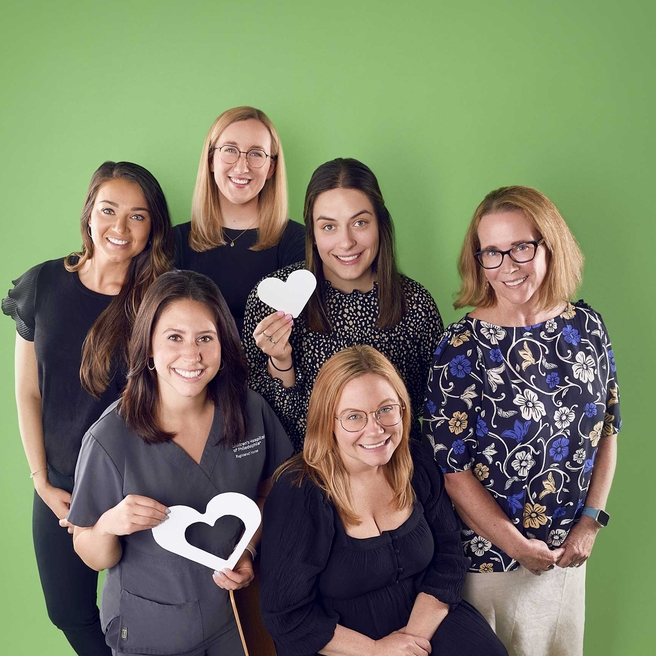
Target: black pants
x,y
464,632
69,586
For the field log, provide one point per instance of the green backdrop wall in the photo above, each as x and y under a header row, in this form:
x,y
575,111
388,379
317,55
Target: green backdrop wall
x,y
444,100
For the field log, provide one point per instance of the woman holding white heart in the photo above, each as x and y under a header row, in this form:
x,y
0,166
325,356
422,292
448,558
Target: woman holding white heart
x,y
360,545
73,317
186,429
360,298
239,230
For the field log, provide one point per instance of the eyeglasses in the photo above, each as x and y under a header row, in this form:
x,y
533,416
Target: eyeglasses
x,y
355,420
255,157
520,253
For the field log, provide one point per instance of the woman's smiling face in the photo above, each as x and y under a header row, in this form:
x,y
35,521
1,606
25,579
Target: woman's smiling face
x,y
513,284
185,349
374,445
240,183
346,236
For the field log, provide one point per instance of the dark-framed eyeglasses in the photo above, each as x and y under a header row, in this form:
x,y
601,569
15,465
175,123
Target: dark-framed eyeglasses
x,y
256,157
387,415
521,253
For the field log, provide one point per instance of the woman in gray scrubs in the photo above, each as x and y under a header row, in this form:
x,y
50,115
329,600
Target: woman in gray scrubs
x,y
186,429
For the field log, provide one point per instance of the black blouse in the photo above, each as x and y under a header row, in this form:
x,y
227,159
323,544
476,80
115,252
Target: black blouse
x,y
315,576
237,269
409,346
53,309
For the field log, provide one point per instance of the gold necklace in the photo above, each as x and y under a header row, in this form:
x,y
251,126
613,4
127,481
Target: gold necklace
x,y
232,241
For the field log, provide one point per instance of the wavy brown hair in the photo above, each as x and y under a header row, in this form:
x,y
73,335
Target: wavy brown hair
x,y
321,461
110,333
206,229
564,257
228,390
348,173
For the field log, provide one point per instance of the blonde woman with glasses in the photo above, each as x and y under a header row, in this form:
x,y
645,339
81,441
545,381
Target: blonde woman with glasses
x,y
360,544
239,230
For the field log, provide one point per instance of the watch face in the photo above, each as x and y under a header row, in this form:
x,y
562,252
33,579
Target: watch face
x,y
603,517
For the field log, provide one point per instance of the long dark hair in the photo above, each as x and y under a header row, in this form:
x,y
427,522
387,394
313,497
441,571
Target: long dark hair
x,y
111,330
227,390
348,173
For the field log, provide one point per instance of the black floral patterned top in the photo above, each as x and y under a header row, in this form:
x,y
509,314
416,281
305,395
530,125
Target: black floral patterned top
x,y
524,408
409,346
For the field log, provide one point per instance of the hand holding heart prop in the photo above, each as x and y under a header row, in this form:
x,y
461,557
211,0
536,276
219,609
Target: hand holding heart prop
x,y
170,535
289,296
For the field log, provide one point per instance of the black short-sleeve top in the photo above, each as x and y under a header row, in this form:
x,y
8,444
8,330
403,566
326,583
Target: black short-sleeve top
x,y
237,269
53,309
154,597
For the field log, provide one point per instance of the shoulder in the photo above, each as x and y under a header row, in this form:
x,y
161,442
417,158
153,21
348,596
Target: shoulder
x,y
111,432
583,311
416,294
257,408
21,301
292,484
43,271
182,230
427,478
181,239
293,231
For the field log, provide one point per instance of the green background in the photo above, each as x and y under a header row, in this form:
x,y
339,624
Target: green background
x,y
445,101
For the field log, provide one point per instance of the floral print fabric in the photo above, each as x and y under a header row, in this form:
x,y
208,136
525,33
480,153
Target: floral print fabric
x,y
524,409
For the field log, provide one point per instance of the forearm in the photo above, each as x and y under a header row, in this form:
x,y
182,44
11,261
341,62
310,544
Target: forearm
x,y
98,549
426,616
346,642
482,513
602,473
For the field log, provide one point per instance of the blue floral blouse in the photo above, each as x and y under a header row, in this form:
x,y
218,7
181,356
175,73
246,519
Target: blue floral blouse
x,y
524,408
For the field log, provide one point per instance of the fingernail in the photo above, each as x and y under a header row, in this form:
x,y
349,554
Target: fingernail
x,y
168,511
280,313
288,317
217,573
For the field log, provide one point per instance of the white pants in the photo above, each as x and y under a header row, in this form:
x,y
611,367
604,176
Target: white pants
x,y
533,615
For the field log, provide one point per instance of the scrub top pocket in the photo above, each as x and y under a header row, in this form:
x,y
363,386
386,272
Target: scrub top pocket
x,y
147,627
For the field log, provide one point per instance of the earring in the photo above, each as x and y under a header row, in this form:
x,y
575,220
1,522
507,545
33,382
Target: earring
x,y
148,361
89,229
221,368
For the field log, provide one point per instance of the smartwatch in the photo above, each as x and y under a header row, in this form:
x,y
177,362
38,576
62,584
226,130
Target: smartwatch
x,y
600,516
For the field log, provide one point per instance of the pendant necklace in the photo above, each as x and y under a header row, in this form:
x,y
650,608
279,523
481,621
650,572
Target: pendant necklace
x,y
232,241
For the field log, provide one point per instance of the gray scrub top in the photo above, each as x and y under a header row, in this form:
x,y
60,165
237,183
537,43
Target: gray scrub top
x,y
155,601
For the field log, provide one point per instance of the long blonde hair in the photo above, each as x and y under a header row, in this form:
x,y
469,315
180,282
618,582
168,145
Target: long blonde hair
x,y
206,229
565,260
321,461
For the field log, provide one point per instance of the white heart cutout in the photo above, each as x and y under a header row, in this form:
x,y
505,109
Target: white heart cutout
x,y
289,296
170,534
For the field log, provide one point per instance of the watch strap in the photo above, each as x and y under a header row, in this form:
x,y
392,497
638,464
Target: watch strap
x,y
600,516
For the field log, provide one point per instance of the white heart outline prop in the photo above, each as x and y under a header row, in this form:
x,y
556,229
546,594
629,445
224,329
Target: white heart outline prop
x,y
170,534
289,296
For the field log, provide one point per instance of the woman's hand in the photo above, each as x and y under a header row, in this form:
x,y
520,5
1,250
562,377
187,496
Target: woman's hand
x,y
58,500
577,547
537,557
271,336
239,577
134,513
401,644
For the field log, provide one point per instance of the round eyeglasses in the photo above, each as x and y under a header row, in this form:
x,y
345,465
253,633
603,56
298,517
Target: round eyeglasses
x,y
521,253
388,415
256,157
